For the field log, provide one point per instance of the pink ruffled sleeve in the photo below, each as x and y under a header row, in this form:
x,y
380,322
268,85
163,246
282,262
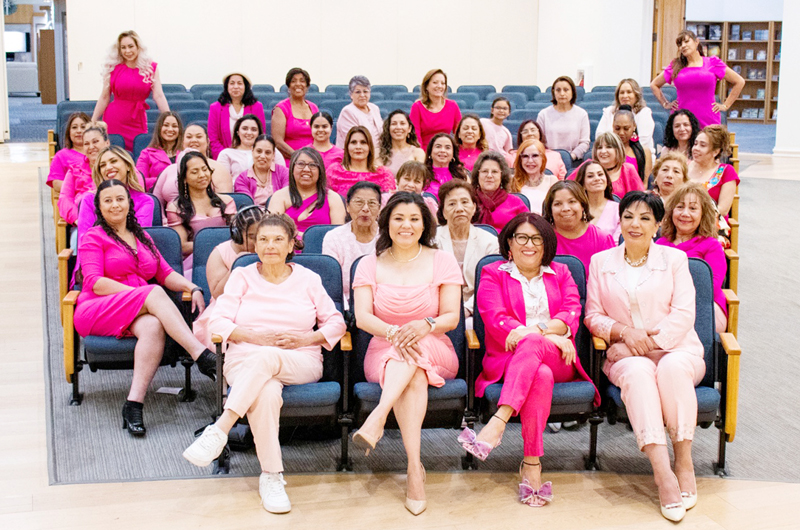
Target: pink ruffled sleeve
x,y
717,67
668,73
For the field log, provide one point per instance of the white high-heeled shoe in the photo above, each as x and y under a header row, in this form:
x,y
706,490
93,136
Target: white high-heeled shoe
x,y
674,512
414,506
689,500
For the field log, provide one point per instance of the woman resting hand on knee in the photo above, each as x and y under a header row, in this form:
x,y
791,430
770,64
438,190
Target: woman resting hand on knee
x,y
267,315
406,295
641,300
117,260
531,309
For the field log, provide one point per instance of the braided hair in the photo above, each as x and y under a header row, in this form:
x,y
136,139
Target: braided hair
x,y
184,202
131,223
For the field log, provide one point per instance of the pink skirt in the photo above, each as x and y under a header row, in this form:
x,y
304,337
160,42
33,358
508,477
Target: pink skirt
x,y
439,359
110,315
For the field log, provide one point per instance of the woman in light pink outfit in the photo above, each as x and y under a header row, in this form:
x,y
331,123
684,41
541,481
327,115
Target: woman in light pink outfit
x,y
641,300
498,137
359,112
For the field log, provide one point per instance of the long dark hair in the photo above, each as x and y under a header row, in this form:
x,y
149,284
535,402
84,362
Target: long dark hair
x,y
184,201
680,62
638,150
247,99
237,141
428,236
385,153
669,135
131,223
322,181
455,166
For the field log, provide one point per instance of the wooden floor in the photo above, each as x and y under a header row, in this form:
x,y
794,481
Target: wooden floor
x,y
456,500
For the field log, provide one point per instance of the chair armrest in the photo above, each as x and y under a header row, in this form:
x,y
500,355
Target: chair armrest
x,y
186,296
599,344
216,339
69,346
63,276
472,340
346,342
61,235
734,352
734,224
733,269
733,311
71,298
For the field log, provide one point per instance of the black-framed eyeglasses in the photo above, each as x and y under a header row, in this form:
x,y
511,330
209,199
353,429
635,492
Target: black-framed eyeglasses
x,y
522,239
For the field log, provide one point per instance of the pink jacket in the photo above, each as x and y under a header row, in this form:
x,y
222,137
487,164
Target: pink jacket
x,y
219,124
77,182
152,161
665,295
502,307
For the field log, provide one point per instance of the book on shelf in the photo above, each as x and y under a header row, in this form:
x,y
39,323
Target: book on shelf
x,y
735,31
749,54
775,78
733,54
778,56
761,113
777,34
761,34
747,35
745,96
761,55
714,32
702,31
738,69
692,28
760,93
733,114
774,114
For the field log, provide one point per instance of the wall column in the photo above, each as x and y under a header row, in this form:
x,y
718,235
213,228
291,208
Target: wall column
x,y
787,142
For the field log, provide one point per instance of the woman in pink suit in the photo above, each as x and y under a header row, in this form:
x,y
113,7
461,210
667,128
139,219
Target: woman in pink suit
x,y
491,178
433,113
72,150
276,317
641,300
406,295
129,75
78,177
117,260
265,177
291,117
531,309
165,145
236,100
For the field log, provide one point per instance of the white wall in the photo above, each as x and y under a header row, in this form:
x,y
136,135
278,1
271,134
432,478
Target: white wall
x,y
735,10
787,141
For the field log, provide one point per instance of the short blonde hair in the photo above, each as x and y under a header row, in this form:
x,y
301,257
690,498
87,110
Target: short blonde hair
x,y
609,139
708,219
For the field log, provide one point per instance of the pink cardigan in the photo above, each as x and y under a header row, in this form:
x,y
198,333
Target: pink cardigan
x,y
665,293
219,124
152,161
502,307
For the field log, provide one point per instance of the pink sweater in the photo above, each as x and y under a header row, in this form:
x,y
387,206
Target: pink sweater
x,y
566,130
427,123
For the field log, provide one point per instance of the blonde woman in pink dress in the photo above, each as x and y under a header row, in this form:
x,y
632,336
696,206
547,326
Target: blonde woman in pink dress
x,y
406,296
129,75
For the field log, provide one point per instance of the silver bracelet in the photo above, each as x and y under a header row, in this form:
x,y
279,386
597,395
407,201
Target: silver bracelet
x,y
622,333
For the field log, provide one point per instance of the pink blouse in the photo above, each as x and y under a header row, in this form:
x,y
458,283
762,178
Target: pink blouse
x,y
152,161
77,183
427,123
696,87
334,155
498,137
584,247
64,160
469,156
247,183
298,131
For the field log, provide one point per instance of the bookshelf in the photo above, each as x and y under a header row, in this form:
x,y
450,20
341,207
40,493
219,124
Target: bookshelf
x,y
752,49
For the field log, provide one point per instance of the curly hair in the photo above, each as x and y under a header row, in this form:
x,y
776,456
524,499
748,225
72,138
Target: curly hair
x,y
455,166
157,141
708,218
670,156
143,61
184,203
385,152
131,223
670,141
481,143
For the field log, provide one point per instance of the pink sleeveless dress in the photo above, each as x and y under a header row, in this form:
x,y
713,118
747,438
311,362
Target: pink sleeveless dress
x,y
320,216
126,115
200,326
197,223
298,131
399,304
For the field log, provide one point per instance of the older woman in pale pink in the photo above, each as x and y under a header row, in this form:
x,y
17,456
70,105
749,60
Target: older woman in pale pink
x,y
359,112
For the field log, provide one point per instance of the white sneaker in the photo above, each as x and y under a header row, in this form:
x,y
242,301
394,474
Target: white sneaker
x,y
273,496
554,427
207,447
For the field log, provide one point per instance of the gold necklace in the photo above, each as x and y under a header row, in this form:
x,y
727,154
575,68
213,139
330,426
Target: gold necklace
x,y
408,260
639,262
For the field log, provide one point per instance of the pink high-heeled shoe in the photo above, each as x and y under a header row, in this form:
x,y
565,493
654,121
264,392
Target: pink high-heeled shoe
x,y
473,446
535,498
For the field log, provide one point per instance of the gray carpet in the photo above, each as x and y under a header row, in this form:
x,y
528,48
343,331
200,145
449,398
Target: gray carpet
x,y
29,119
87,443
754,137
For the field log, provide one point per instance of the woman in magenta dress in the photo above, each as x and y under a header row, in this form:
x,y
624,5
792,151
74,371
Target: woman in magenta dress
x,y
321,129
433,113
129,75
117,260
490,179
72,152
266,176
165,145
358,164
443,161
291,117
236,100
695,78
706,166
307,199
471,140
198,206
406,295
78,177
566,207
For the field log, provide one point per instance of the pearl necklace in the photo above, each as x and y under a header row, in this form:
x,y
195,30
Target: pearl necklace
x,y
408,260
639,262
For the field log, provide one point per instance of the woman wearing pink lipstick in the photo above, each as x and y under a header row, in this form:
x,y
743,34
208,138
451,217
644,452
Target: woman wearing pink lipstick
x,y
236,100
78,177
443,161
471,139
603,209
490,180
71,152
358,164
707,168
433,113
530,177
290,118
164,147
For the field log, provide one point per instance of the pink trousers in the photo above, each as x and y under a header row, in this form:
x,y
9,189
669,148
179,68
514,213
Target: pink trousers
x,y
658,390
528,386
257,379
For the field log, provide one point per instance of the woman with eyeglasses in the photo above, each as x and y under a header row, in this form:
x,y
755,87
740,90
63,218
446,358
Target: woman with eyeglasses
x,y
530,130
498,137
530,178
359,112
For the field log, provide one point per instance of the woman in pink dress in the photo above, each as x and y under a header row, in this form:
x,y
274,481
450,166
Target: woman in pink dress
x,y
532,311
530,130
604,211
498,137
218,267
265,177
72,152
443,161
307,199
471,139
117,260
609,152
78,177
706,167
398,142
359,112
358,164
167,142
530,177
566,207
406,295
490,179
197,206
290,117
433,113
236,100
321,128
276,317
129,75
695,78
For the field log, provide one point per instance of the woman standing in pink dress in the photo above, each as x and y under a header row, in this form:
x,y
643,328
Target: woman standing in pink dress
x,y
167,142
236,100
78,177
265,177
433,113
358,164
490,179
129,75
471,140
406,295
291,117
443,161
321,128
695,78
117,260
72,152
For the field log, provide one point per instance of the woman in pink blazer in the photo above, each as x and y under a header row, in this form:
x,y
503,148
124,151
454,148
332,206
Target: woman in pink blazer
x,y
641,300
531,308
236,100
165,145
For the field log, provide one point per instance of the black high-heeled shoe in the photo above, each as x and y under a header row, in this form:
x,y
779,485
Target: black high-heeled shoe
x,y
207,364
132,418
